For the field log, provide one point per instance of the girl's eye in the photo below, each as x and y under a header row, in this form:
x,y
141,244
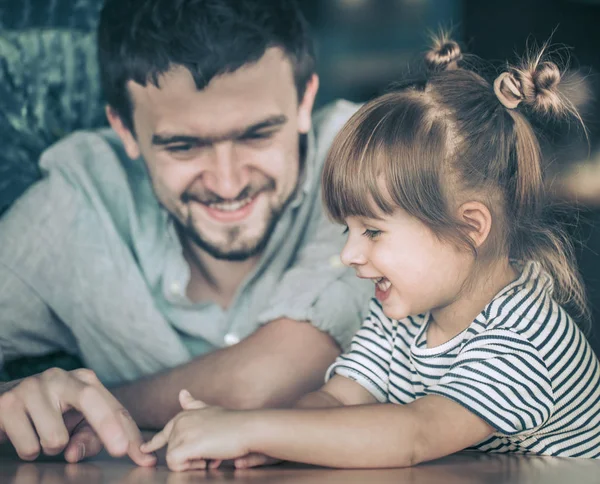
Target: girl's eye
x,y
371,234
346,230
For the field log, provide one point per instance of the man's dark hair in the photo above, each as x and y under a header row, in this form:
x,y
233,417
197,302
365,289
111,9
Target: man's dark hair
x,y
140,40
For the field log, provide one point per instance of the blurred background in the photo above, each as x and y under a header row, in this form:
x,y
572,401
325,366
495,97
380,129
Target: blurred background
x,y
362,46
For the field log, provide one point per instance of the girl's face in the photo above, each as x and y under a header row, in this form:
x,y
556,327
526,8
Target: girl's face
x,y
412,270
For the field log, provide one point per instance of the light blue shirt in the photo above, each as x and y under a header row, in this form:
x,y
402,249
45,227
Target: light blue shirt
x,y
91,264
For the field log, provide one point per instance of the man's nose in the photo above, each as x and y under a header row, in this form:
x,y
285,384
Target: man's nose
x,y
353,253
225,175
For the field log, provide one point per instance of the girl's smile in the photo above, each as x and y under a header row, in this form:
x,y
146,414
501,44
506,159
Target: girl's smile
x,y
383,287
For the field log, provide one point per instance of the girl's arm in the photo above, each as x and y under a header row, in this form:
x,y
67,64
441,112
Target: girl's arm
x,y
356,436
368,436
337,392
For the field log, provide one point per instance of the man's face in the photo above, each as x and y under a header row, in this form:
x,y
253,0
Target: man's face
x,y
223,161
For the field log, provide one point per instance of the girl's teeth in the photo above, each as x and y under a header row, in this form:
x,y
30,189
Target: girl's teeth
x,y
231,206
383,284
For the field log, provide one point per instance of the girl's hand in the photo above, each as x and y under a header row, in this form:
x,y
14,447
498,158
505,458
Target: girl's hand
x,y
188,402
200,433
255,460
251,460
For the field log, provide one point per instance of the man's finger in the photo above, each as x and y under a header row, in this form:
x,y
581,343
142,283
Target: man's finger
x,y
110,420
100,410
48,422
135,442
84,443
18,428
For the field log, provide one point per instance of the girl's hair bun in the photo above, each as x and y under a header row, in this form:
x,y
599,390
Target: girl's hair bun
x,y
539,84
540,87
444,54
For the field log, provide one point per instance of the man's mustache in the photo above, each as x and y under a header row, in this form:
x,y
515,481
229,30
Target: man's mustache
x,y
208,197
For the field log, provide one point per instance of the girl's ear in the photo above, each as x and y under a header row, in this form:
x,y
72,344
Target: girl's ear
x,y
477,217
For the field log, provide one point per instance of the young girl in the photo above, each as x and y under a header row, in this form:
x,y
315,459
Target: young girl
x,y
466,345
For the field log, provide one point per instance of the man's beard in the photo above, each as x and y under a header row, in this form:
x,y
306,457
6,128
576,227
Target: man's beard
x,y
225,251
231,249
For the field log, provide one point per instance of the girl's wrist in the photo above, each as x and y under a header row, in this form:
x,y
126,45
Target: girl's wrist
x,y
258,430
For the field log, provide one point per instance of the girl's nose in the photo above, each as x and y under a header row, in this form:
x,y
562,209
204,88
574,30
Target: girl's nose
x,y
353,254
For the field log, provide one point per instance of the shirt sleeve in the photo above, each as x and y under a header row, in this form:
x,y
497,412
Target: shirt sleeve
x,y
369,358
27,325
501,377
320,289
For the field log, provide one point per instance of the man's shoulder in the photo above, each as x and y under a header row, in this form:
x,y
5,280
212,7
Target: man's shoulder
x,y
329,120
95,165
88,182
85,154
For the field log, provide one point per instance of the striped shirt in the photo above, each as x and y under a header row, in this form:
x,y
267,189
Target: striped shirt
x,y
523,366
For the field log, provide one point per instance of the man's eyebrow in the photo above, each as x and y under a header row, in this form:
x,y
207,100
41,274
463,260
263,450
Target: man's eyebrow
x,y
273,121
166,139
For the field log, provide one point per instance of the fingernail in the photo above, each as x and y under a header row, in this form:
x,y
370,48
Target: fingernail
x,y
80,452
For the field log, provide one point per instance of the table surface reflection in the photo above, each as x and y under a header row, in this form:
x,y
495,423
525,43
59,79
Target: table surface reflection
x,y
462,468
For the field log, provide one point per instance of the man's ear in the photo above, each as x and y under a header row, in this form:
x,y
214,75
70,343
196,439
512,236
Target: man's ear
x,y
478,219
127,137
307,103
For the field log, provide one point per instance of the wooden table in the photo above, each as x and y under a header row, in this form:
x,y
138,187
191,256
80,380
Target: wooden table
x,y
463,468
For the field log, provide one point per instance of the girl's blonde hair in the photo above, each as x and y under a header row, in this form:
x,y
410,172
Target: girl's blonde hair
x,y
433,144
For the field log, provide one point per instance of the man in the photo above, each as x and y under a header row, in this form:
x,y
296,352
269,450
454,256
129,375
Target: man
x,y
187,248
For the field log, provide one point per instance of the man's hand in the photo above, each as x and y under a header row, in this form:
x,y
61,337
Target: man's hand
x,y
71,411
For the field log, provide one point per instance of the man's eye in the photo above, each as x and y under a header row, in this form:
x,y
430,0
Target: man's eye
x,y
179,148
257,135
372,234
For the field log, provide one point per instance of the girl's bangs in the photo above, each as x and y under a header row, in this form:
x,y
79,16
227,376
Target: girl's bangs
x,y
355,170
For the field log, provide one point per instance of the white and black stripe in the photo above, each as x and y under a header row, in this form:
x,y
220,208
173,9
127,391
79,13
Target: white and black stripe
x,y
523,366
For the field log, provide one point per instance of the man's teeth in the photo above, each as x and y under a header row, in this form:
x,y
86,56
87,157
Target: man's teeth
x,y
231,206
383,284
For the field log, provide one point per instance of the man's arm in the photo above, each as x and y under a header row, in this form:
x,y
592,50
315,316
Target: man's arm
x,y
276,365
